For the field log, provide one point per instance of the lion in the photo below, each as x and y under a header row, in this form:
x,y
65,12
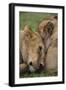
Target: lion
x,y
31,50
48,30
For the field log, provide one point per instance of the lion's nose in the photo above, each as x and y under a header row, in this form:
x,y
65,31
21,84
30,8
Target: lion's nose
x,y
30,63
41,66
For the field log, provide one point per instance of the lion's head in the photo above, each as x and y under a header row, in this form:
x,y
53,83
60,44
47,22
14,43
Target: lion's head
x,y
46,28
32,49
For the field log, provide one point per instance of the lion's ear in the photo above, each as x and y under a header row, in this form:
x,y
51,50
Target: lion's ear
x,y
28,31
27,28
49,27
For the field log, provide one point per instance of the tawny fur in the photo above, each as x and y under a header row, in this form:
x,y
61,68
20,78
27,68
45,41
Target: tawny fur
x,y
48,30
30,44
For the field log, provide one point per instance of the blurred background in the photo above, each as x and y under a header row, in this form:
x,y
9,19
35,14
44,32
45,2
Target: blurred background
x,y
32,19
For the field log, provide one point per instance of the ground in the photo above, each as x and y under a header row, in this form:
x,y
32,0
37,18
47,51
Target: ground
x,y
39,74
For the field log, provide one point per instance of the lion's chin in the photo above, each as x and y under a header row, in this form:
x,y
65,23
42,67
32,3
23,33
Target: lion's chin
x,y
32,69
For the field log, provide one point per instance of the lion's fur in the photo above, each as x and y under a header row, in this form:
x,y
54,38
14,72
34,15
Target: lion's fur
x,y
49,34
29,47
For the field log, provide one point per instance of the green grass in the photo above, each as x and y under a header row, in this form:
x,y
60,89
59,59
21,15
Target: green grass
x,y
38,74
33,19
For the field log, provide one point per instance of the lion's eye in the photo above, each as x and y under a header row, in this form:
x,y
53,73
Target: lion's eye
x,y
40,48
49,29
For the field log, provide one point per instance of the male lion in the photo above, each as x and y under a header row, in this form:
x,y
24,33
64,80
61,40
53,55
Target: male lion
x,y
31,50
48,30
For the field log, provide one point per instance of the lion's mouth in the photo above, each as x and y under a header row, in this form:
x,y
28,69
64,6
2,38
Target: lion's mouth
x,y
32,69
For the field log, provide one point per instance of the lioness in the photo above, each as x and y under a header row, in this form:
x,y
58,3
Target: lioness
x,y
31,49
